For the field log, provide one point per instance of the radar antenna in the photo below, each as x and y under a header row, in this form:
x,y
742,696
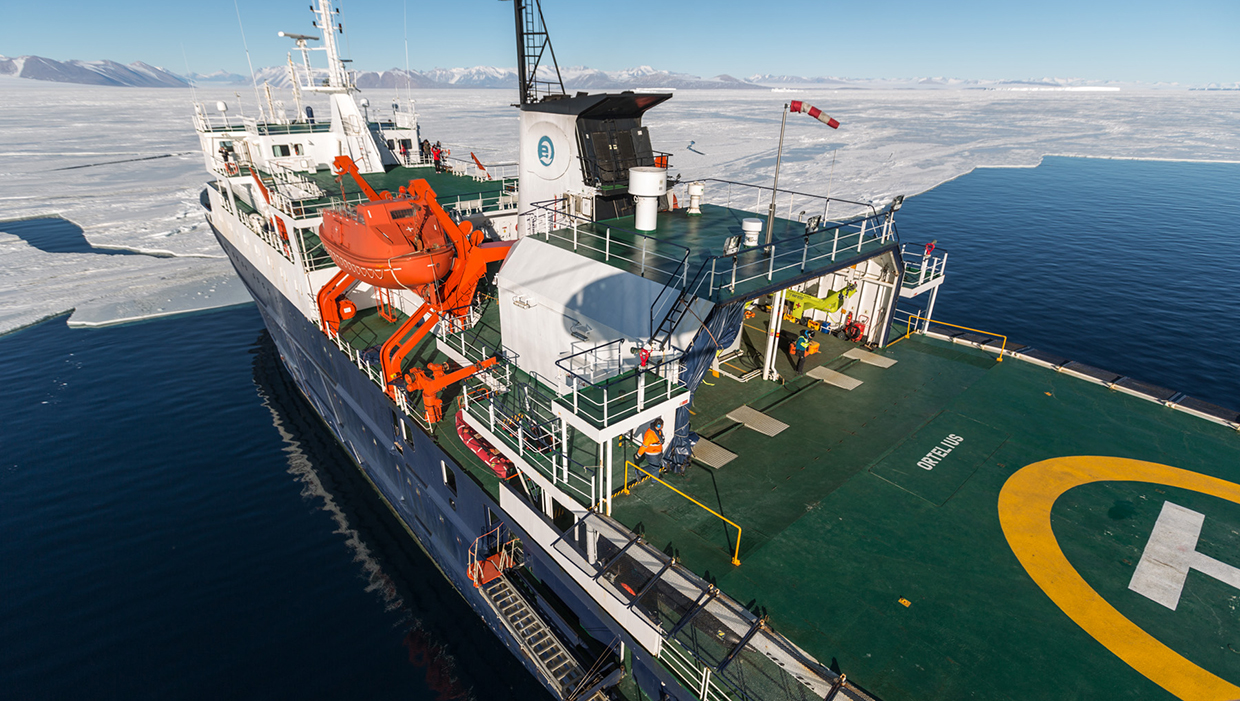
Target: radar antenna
x,y
533,42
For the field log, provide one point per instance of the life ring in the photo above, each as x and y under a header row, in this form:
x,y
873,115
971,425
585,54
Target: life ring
x,y
231,168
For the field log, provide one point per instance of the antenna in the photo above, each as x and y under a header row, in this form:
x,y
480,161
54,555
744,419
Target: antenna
x,y
337,76
532,42
253,76
292,73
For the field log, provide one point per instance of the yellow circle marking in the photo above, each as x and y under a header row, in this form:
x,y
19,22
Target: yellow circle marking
x,y
1025,515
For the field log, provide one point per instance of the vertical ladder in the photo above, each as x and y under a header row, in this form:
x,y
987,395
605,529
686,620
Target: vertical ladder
x,y
535,636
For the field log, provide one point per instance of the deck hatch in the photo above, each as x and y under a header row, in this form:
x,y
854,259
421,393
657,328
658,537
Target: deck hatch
x,y
712,454
756,420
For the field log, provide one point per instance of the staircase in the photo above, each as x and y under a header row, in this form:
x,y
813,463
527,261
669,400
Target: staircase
x,y
536,638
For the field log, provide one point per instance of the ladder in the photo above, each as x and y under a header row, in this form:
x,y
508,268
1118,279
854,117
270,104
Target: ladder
x,y
535,636
663,334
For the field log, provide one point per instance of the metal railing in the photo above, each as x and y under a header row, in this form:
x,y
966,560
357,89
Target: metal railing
x,y
534,434
717,646
736,553
508,549
925,327
761,263
922,266
552,220
695,676
739,195
619,393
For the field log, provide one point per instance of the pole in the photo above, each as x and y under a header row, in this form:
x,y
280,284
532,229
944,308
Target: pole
x,y
779,155
772,340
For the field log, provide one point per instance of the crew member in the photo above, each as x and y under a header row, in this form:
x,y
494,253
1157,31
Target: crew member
x,y
437,155
802,348
652,445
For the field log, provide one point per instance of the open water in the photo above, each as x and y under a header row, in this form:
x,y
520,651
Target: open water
x,y
176,523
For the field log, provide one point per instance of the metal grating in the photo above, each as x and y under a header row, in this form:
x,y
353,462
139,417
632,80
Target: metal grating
x,y
752,418
714,455
832,377
870,358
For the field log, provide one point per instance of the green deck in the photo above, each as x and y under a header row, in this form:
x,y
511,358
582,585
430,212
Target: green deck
x,y
448,188
658,256
840,524
903,577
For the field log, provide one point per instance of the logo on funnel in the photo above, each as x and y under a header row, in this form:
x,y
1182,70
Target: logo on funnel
x,y
546,151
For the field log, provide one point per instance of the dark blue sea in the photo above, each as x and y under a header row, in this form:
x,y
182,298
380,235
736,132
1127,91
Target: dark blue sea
x,y
176,523
1129,266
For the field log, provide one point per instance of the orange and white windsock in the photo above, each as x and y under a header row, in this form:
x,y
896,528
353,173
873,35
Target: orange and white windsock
x,y
798,106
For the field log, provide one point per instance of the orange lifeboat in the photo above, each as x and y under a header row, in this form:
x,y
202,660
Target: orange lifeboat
x,y
396,243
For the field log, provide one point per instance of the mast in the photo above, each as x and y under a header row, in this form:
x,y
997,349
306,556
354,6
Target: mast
x,y
337,76
533,42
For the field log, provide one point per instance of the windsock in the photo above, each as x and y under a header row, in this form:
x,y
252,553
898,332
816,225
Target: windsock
x,y
798,106
479,164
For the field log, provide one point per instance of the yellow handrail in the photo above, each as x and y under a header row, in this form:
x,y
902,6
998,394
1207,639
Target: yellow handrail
x,y
736,554
909,331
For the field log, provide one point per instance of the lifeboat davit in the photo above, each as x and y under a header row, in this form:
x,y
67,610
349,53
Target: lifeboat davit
x,y
396,242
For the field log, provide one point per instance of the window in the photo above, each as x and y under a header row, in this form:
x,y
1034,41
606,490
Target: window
x,y
297,150
279,150
449,477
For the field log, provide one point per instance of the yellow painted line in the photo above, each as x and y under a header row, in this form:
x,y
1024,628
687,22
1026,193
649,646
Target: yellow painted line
x,y
1025,515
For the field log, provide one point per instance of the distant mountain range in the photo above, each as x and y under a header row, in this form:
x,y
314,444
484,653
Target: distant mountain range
x,y
140,74
137,74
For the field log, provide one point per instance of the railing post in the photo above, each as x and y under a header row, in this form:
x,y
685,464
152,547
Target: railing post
x,y
607,246
861,234
643,256
605,406
574,234
641,389
770,270
835,244
711,288
805,254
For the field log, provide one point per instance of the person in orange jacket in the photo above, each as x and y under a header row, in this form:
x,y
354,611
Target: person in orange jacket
x,y
652,445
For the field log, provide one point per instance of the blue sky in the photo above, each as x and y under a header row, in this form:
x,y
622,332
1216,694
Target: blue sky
x,y
1194,41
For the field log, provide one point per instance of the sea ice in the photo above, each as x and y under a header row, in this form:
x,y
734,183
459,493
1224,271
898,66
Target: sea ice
x,y
124,164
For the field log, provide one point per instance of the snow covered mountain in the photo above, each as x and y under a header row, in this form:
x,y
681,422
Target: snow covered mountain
x,y
575,78
136,74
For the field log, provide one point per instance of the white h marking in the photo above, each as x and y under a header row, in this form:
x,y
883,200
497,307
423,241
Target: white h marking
x,y
1171,553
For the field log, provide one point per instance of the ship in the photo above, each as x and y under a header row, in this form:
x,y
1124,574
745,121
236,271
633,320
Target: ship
x,y
589,391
